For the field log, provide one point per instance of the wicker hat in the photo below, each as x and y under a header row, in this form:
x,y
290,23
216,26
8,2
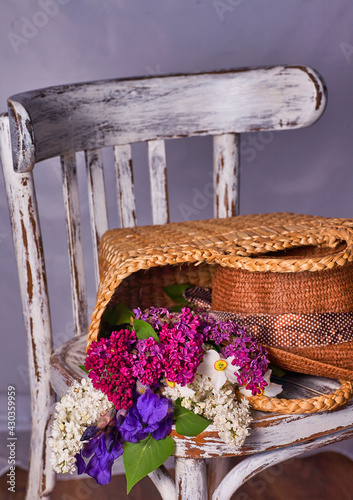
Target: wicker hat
x,y
287,277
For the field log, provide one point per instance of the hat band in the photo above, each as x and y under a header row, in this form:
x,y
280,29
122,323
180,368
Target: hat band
x,y
295,330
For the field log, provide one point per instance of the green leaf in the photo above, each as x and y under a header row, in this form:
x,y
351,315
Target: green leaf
x,y
175,292
177,309
187,423
144,330
83,368
119,315
277,372
144,457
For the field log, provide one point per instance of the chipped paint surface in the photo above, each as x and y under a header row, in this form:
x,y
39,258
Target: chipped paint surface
x,y
158,178
120,112
73,226
97,201
33,287
164,483
226,168
70,118
125,185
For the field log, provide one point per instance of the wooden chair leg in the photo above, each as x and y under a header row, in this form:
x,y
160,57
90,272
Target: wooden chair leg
x,y
254,464
41,477
191,478
164,483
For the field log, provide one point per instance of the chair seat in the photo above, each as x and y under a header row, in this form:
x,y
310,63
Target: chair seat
x,y
268,430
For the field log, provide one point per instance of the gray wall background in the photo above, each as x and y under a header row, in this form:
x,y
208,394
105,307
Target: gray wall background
x,y
49,42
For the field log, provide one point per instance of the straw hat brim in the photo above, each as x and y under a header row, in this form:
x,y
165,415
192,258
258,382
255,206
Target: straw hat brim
x,y
243,242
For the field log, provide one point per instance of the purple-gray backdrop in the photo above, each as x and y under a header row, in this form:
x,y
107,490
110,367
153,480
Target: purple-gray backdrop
x,y
48,42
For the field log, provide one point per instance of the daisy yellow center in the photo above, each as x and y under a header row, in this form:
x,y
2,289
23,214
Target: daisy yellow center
x,y
220,365
171,384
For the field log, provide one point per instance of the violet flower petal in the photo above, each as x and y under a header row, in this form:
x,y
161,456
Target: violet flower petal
x,y
151,407
164,429
80,464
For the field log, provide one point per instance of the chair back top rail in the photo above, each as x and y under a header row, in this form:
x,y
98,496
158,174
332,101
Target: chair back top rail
x,y
49,122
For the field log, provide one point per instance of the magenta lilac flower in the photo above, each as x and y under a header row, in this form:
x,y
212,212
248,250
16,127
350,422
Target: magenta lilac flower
x,y
152,414
183,347
149,361
219,331
251,358
110,362
155,316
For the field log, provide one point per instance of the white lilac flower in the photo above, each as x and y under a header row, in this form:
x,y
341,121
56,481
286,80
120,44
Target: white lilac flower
x,y
271,389
218,369
175,391
231,417
82,406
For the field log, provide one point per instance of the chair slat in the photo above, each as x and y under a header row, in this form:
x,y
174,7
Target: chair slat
x,y
226,163
72,212
118,112
97,201
125,185
158,180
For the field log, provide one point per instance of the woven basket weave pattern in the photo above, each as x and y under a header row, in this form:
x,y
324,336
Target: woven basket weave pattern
x,y
269,293
137,263
234,242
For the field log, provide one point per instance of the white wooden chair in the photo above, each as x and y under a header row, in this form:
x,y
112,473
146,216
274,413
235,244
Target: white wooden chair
x,y
63,120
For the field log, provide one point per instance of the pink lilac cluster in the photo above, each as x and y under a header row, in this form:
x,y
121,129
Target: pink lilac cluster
x,y
110,362
155,316
182,346
251,358
149,361
218,331
181,339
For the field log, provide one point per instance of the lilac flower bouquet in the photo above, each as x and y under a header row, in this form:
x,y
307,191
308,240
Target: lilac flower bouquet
x,y
156,368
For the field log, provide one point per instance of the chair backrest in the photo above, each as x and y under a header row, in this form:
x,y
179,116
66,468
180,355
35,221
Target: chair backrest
x,y
62,120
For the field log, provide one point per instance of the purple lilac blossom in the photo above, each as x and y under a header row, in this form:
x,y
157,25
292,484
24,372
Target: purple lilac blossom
x,y
148,362
252,359
183,347
155,316
221,331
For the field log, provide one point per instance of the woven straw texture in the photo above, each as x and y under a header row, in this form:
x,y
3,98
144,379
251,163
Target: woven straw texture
x,y
137,263
321,403
250,242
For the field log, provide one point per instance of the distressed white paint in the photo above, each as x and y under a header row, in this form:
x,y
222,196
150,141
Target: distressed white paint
x,y
164,483
158,180
226,168
268,430
255,464
32,277
97,201
118,112
65,119
125,185
22,139
267,434
73,226
190,479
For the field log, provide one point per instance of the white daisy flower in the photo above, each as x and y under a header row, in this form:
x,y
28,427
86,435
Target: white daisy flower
x,y
218,369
